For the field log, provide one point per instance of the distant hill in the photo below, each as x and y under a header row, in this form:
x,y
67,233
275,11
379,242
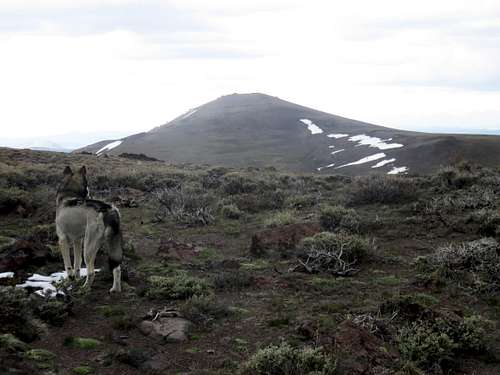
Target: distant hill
x,y
260,130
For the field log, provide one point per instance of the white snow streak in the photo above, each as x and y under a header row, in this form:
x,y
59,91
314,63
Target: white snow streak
x,y
189,113
337,136
336,152
109,146
381,144
365,160
6,275
384,162
46,283
311,126
326,166
397,170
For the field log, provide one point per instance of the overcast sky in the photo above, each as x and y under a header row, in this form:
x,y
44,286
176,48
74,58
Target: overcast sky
x,y
126,66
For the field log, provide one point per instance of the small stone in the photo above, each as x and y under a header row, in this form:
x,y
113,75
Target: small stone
x,y
166,329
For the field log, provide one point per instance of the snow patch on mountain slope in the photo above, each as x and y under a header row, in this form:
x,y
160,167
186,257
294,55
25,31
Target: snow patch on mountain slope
x,y
384,162
364,160
311,126
376,142
336,152
189,113
337,136
397,170
109,146
326,166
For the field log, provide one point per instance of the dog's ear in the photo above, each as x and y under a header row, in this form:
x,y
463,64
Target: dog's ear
x,y
67,171
83,170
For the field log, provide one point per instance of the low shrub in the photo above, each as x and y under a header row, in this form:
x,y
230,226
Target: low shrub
x,y
334,218
299,202
441,340
281,218
474,264
231,211
456,177
335,253
458,201
53,312
204,310
237,183
421,343
178,286
16,314
11,199
185,205
382,189
284,359
233,280
489,222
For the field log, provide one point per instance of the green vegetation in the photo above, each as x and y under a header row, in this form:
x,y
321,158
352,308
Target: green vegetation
x,y
334,218
284,359
474,264
231,211
335,253
82,342
382,189
178,286
281,218
82,370
440,340
204,310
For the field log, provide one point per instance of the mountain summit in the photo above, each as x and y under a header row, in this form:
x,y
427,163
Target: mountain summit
x,y
260,130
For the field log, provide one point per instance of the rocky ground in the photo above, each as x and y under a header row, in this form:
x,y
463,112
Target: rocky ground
x,y
257,272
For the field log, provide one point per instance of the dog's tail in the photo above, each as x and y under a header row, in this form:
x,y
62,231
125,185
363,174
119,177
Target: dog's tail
x,y
111,219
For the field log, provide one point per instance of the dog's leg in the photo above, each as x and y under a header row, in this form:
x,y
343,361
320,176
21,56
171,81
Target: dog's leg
x,y
78,250
65,251
117,280
115,256
94,237
89,253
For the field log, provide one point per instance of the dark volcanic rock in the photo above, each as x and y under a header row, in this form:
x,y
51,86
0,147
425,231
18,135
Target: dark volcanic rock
x,y
359,351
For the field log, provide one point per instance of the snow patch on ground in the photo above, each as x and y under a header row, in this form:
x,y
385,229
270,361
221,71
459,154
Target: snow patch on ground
x,y
326,166
189,113
397,170
109,146
46,283
6,275
364,160
336,152
384,162
337,136
381,144
332,146
311,126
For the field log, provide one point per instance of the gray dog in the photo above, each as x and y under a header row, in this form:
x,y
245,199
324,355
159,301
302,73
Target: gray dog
x,y
86,224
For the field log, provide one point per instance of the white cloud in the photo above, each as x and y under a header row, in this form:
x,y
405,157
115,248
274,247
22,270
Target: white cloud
x,y
86,65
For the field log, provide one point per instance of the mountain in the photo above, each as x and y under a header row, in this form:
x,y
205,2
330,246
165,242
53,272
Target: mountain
x,y
260,130
46,145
